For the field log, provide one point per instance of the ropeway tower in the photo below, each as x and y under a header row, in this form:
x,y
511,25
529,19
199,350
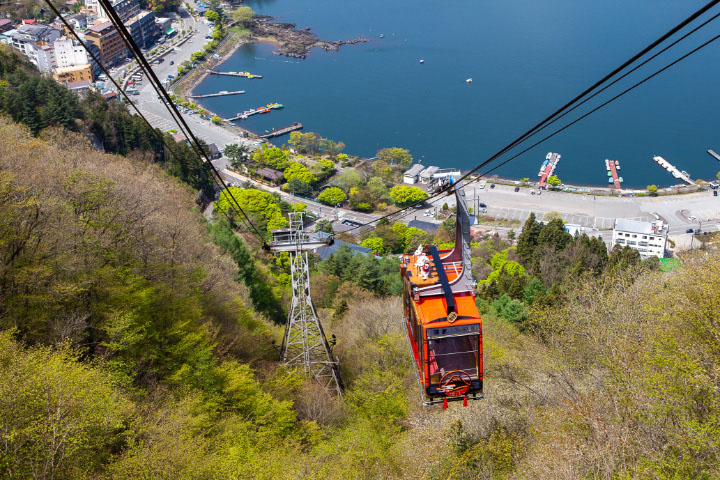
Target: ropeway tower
x,y
304,343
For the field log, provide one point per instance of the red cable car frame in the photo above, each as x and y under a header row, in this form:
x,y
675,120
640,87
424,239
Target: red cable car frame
x,y
443,325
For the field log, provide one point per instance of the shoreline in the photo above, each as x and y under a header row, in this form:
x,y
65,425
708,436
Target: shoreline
x,y
190,81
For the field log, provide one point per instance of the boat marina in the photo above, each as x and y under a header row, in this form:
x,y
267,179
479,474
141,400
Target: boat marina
x,y
254,111
283,131
235,74
612,167
547,168
221,93
680,175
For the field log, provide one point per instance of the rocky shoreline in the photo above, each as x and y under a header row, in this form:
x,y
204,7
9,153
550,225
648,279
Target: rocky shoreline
x,y
291,41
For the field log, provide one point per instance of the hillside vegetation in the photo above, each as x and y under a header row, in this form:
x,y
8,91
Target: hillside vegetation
x,y
137,340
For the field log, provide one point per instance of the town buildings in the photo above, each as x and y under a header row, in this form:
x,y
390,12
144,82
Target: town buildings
x,y
649,239
412,176
109,42
54,49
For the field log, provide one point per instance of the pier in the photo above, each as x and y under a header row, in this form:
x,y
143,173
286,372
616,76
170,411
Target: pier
x,y
253,111
219,94
612,167
684,176
715,155
236,74
547,168
283,131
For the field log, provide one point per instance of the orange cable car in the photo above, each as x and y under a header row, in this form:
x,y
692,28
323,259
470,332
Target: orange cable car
x,y
443,324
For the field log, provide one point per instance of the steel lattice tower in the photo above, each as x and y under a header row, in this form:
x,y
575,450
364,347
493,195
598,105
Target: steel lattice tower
x,y
304,342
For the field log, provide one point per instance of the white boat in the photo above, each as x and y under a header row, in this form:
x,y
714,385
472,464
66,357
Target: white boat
x,y
469,80
422,60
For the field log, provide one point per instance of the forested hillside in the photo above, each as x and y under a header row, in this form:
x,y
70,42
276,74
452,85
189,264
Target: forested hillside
x,y
138,339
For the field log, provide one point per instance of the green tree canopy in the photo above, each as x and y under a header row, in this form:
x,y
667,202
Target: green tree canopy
x,y
212,15
554,181
299,171
272,157
375,244
243,15
332,196
652,189
395,156
404,195
253,201
296,186
350,178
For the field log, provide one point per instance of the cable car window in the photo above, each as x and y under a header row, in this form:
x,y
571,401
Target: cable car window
x,y
453,353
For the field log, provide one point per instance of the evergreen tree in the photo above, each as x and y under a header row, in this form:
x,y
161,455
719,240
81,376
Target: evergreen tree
x,y
528,239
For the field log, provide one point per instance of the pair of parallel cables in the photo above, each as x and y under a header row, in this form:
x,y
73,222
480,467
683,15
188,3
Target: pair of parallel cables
x,y
588,94
195,144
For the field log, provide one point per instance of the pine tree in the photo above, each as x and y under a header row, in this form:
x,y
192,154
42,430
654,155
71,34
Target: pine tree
x,y
528,239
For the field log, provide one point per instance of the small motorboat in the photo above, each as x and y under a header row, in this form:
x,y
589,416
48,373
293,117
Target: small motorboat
x,y
422,60
469,80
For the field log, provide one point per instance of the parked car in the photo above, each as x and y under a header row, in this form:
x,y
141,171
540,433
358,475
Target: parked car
x,y
492,185
517,189
689,230
482,205
172,62
715,193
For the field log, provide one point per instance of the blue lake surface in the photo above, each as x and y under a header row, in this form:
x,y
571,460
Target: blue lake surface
x,y
526,58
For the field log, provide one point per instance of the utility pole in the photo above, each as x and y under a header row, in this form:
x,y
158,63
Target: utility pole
x,y
304,343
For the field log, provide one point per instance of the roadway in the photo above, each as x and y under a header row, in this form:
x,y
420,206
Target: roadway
x,y
680,212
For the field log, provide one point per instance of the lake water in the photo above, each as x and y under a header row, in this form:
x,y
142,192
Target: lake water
x,y
526,58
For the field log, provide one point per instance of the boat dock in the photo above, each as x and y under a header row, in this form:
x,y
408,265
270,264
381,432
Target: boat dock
x,y
253,111
283,131
236,74
612,166
219,94
547,168
681,175
715,155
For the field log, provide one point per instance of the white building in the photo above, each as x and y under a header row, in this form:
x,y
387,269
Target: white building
x,y
94,10
413,174
69,53
650,239
44,58
25,37
427,174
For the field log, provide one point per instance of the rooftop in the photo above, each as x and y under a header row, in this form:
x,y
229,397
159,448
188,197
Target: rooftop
x,y
100,27
428,227
270,173
414,170
635,226
325,252
81,85
429,171
60,70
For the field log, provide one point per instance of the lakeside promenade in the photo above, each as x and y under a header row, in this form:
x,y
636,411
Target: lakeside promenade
x,y
680,212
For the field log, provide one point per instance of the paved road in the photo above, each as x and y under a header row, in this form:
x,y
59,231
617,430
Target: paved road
x,y
597,211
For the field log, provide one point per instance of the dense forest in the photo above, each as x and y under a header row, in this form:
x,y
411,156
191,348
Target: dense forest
x,y
39,102
138,339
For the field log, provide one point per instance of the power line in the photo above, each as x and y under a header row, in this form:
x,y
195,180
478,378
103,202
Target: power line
x,y
160,137
616,97
170,105
549,119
